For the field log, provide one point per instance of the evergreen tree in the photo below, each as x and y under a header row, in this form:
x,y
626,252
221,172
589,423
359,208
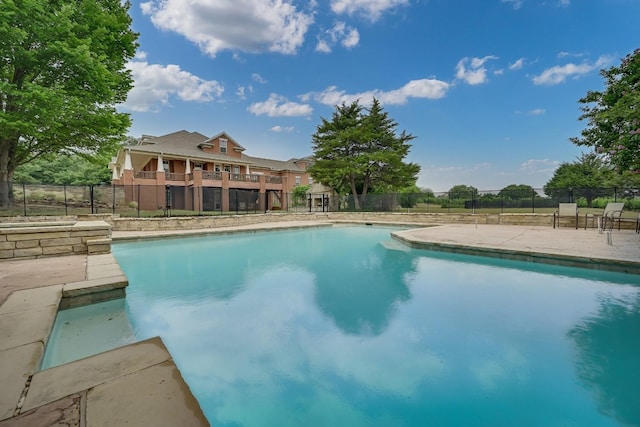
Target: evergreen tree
x,y
359,151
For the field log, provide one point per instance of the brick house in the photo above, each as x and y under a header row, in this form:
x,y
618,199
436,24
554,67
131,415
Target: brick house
x,y
188,170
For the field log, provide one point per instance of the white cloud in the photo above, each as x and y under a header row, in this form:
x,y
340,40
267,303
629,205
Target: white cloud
x,y
242,90
536,166
278,106
536,112
564,3
258,78
279,129
476,72
246,25
154,84
517,4
559,73
141,55
517,65
564,54
372,9
323,47
423,88
348,37
351,39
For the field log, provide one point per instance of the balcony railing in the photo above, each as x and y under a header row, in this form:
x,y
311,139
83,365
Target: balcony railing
x,y
174,176
145,174
216,176
244,177
274,179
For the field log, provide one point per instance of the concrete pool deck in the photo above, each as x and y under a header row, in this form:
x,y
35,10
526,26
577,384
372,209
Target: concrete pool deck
x,y
139,383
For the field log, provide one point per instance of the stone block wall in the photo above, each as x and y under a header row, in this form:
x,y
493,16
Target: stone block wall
x,y
41,239
194,223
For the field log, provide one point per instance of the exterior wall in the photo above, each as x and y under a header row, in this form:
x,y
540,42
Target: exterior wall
x,y
42,239
233,150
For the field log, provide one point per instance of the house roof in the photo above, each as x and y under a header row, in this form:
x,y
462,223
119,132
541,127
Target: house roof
x,y
276,165
185,144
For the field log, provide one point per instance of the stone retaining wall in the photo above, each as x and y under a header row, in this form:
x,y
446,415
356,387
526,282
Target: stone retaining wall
x,y
194,223
22,240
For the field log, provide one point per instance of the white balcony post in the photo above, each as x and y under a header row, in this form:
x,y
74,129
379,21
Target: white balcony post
x,y
127,160
160,167
187,169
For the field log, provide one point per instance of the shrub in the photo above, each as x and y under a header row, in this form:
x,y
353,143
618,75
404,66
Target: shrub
x,y
633,204
35,195
133,205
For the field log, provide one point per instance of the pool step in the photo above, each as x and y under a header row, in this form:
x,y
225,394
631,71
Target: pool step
x,y
394,245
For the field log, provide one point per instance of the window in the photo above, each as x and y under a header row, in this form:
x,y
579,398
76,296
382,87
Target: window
x,y
236,170
165,165
217,168
310,181
198,166
297,181
223,145
227,168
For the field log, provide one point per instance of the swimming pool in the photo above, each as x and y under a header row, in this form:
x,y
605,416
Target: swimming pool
x,y
337,326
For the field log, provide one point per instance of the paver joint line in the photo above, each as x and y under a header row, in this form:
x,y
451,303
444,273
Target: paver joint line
x,y
23,396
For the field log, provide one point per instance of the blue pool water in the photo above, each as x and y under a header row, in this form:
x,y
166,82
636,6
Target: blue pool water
x,y
329,327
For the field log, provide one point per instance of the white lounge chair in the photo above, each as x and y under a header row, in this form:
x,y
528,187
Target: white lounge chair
x,y
611,213
566,210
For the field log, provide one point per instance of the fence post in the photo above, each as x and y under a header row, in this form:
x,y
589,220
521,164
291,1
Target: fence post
x,y
138,200
473,202
449,204
533,201
64,190
24,198
91,196
113,202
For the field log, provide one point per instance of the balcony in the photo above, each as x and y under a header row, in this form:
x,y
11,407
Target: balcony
x,y
145,174
174,176
244,177
215,176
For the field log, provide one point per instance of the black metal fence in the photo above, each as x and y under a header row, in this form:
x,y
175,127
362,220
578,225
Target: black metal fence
x,y
158,201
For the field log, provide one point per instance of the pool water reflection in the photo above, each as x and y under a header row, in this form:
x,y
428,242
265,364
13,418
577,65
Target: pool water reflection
x,y
330,327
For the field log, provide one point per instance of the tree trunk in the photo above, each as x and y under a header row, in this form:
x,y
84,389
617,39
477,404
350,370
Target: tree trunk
x,y
354,193
365,189
6,174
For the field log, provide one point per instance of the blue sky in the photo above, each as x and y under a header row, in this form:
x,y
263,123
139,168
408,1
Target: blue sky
x,y
489,88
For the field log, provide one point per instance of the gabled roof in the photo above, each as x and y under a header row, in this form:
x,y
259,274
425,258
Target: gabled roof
x,y
223,134
274,165
183,144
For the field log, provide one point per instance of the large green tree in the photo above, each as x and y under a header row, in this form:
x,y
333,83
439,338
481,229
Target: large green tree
x,y
588,177
462,192
613,115
358,150
62,71
517,192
